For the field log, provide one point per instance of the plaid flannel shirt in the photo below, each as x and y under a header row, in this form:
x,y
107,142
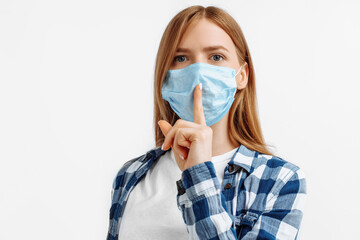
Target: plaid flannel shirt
x,y
262,196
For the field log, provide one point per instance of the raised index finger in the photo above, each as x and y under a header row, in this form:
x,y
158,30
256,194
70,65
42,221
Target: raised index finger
x,y
199,116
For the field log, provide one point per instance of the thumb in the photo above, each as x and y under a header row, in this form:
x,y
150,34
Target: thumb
x,y
164,126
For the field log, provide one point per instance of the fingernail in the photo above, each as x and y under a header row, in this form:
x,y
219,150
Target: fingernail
x,y
181,157
162,146
200,85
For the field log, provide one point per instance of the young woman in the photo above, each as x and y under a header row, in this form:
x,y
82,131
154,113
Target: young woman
x,y
213,177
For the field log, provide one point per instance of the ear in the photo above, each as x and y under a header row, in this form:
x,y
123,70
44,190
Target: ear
x,y
242,77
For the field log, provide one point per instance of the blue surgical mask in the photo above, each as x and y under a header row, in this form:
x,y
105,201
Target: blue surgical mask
x,y
218,90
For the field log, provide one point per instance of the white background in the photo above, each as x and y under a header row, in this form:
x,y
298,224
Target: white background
x,y
76,102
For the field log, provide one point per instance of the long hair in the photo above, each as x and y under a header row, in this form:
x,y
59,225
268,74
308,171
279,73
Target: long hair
x,y
244,127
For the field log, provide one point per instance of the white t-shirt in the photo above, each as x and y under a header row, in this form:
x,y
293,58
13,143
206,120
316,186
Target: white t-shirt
x,y
151,211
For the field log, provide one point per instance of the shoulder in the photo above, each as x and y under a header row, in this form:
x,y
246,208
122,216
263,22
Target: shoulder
x,y
276,174
265,166
279,166
268,174
275,165
134,165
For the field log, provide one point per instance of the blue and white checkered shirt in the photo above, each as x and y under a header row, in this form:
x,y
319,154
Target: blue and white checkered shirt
x,y
262,196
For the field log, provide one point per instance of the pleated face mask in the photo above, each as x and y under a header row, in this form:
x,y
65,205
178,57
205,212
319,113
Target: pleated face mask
x,y
218,90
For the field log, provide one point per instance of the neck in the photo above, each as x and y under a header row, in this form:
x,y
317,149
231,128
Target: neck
x,y
221,140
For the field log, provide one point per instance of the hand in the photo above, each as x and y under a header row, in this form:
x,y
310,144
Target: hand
x,y
191,142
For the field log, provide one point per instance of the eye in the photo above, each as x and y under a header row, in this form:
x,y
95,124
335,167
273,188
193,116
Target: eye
x,y
217,57
180,58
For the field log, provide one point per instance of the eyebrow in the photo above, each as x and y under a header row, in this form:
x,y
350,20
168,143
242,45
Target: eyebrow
x,y
205,49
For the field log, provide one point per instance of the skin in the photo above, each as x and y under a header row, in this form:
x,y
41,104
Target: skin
x,y
194,142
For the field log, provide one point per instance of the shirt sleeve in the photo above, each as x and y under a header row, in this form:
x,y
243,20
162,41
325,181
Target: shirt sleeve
x,y
203,205
283,211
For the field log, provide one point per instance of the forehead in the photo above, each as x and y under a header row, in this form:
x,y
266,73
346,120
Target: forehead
x,y
204,33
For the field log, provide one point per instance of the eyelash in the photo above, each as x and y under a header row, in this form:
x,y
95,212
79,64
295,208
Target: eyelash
x,y
211,56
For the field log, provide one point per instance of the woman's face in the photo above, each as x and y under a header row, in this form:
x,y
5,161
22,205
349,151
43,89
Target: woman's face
x,y
204,41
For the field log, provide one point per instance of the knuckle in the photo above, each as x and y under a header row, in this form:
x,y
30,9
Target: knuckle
x,y
176,136
179,131
179,122
203,134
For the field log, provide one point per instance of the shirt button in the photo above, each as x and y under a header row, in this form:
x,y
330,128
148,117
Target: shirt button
x,y
228,185
231,168
182,191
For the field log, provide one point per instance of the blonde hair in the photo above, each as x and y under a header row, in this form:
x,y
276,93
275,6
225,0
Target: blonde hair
x,y
244,126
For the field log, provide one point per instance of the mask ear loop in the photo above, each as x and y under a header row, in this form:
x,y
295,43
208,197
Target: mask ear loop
x,y
235,76
239,70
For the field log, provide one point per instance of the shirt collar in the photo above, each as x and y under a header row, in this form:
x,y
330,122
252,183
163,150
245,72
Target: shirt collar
x,y
244,158
155,153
